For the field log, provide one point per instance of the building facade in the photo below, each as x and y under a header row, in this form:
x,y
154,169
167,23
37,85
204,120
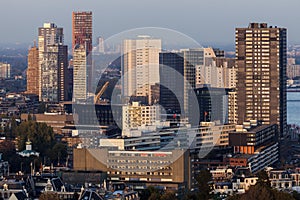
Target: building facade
x,y
54,68
80,73
137,115
261,85
53,63
255,146
171,82
140,66
82,30
82,34
33,71
4,70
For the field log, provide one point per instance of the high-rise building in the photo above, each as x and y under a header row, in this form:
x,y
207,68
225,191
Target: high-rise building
x,y
101,48
33,71
54,72
193,58
4,70
171,82
212,104
82,34
82,30
261,85
50,45
80,73
216,71
201,68
140,66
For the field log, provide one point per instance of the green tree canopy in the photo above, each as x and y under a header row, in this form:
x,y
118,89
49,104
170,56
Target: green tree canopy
x,y
204,178
40,135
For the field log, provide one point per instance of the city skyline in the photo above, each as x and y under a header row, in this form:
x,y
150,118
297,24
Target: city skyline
x,y
109,20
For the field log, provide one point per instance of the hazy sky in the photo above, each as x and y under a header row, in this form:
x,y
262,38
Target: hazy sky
x,y
208,22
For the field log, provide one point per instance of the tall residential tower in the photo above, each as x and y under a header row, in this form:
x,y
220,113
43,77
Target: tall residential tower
x,y
140,66
33,71
261,86
82,36
53,64
82,30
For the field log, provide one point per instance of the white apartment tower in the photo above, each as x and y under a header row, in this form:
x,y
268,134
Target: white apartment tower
x,y
140,66
80,73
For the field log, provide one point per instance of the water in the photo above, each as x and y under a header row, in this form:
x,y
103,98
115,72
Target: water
x,y
293,108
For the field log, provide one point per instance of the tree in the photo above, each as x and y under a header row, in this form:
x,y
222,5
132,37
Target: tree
x,y
168,195
58,153
190,196
7,148
150,193
42,108
75,196
296,195
203,179
40,135
263,179
49,196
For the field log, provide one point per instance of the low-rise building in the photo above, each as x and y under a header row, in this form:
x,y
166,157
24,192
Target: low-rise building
x,y
139,169
254,146
56,120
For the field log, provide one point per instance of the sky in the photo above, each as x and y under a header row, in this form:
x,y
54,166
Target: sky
x,y
206,21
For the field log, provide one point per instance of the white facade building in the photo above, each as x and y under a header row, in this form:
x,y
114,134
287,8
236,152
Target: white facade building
x,y
79,73
140,66
137,115
4,70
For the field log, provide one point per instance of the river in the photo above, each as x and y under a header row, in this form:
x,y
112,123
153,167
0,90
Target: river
x,y
293,108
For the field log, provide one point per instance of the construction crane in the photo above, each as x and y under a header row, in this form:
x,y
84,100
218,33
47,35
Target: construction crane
x,y
100,93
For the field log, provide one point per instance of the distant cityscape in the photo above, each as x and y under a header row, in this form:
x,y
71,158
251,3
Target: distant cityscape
x,y
138,118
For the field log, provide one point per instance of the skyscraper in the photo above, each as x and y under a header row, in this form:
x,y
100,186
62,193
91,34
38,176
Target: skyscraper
x,y
82,34
171,81
193,58
54,72
53,64
80,73
261,86
140,66
33,71
82,30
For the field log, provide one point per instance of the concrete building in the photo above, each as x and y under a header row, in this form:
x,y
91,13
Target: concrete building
x,y
261,86
55,120
255,146
82,34
168,169
53,64
192,59
293,71
232,107
4,70
171,89
54,69
284,179
101,47
82,30
212,104
137,115
33,71
80,83
140,66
